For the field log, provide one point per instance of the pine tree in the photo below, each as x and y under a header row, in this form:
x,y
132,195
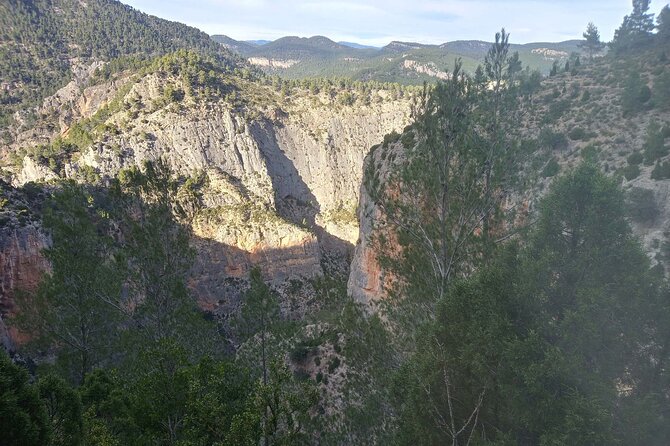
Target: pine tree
x,y
592,43
636,29
663,27
76,308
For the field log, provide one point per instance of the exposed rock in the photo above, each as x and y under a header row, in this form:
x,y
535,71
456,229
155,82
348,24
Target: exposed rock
x,y
22,265
272,63
34,172
367,279
429,69
550,54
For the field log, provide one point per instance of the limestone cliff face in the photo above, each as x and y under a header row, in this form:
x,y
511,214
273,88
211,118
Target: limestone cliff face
x,y
22,265
283,174
367,279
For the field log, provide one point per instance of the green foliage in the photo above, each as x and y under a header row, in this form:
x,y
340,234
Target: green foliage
x,y
661,171
663,19
333,364
661,92
75,307
284,404
159,257
641,205
635,158
636,29
654,144
169,400
592,43
635,96
551,168
529,349
553,140
63,410
23,417
631,171
578,134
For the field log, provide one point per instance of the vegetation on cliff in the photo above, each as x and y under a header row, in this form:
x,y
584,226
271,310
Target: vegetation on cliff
x,y
500,324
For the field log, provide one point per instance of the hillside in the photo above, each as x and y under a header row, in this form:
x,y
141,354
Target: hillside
x,y
44,44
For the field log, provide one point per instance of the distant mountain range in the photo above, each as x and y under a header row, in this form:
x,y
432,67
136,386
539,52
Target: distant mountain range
x,y
404,62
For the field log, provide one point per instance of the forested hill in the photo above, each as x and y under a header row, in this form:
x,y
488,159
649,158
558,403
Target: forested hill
x,y
404,62
42,40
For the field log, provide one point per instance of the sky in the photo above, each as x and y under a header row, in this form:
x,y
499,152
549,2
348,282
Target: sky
x,y
378,22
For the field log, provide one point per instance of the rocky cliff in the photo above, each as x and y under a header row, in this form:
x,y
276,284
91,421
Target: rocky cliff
x,y
22,262
281,174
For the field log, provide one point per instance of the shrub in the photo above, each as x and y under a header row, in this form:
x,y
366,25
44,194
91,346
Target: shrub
x,y
590,153
390,138
334,364
551,168
635,158
641,205
661,171
635,96
662,91
578,134
631,172
553,140
300,353
654,144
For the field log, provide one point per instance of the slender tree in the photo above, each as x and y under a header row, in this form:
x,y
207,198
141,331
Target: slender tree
x,y
592,44
663,27
76,308
159,258
636,28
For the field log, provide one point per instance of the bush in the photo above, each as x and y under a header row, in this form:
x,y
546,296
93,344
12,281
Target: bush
x,y
553,140
654,144
578,134
551,169
590,153
662,91
661,171
635,96
631,172
300,353
24,417
641,205
635,158
390,138
334,364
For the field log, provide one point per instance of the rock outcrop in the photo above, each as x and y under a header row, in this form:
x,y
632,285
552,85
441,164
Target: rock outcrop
x,y
22,265
283,175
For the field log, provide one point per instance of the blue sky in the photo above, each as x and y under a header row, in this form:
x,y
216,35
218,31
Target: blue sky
x,y
377,22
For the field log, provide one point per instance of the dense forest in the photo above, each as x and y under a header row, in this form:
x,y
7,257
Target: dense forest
x,y
41,39
499,325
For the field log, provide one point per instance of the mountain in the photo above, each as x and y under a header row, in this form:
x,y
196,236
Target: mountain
x,y
358,46
236,46
397,47
44,40
404,62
